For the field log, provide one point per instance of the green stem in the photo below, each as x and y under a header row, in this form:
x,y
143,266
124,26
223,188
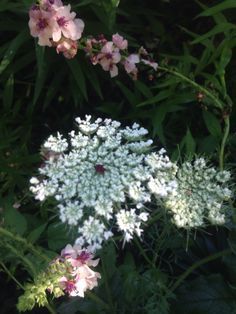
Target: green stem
x,y
194,84
23,241
198,264
143,253
7,271
223,143
50,309
98,300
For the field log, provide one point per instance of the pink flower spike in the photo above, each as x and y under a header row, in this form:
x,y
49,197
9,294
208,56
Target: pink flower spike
x,y
119,41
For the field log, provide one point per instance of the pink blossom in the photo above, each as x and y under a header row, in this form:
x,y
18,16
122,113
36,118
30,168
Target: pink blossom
x,y
119,41
109,57
67,25
67,46
130,65
86,279
152,64
80,276
41,25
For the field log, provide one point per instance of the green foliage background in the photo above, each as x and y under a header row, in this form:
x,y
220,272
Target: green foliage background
x,y
41,92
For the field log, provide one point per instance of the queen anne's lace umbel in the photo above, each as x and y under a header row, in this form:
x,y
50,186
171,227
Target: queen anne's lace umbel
x,y
98,172
201,195
105,175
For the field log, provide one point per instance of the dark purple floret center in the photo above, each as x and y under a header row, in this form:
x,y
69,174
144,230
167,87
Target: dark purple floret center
x,y
42,24
61,21
100,169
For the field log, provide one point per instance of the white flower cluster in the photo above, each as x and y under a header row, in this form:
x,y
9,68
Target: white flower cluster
x,y
94,175
105,175
200,195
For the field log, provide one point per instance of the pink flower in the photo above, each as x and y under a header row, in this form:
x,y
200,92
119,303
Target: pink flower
x,y
67,46
51,3
67,25
152,64
86,279
80,277
41,25
109,57
119,41
130,65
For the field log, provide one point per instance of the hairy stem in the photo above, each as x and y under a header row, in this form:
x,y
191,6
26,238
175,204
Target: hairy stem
x,y
205,91
198,264
223,143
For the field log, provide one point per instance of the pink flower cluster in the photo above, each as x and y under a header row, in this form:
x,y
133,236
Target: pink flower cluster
x,y
80,276
55,25
109,53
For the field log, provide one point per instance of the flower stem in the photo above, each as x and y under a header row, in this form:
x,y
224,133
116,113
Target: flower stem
x,y
224,139
50,308
198,264
205,91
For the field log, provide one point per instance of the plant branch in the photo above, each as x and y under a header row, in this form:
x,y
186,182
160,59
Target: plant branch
x,y
198,264
27,244
205,91
223,143
7,271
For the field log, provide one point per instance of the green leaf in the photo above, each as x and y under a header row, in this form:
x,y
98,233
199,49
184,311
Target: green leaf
x,y
78,76
212,124
13,48
42,69
109,259
14,219
224,5
205,295
36,233
220,28
8,93
190,144
57,235
159,97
